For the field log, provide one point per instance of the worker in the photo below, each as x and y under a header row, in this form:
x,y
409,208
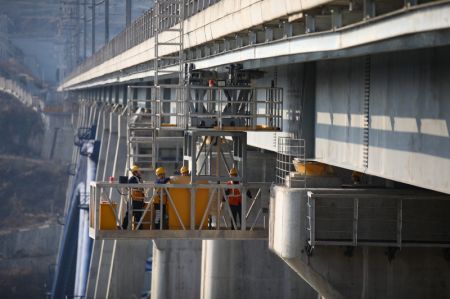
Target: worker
x,y
357,177
137,196
184,171
160,179
235,197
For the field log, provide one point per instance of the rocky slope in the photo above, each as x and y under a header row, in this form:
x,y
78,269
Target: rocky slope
x,y
21,128
32,192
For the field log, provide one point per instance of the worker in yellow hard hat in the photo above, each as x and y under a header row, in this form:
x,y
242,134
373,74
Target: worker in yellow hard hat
x,y
135,169
233,172
184,171
137,196
160,192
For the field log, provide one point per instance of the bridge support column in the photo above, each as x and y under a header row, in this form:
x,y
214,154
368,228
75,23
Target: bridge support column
x,y
101,262
287,220
126,275
102,135
176,269
247,269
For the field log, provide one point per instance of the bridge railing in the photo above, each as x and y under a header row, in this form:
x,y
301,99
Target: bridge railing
x,y
200,210
137,32
15,89
378,218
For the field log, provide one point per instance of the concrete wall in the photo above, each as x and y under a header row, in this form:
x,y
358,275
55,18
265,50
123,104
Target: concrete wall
x,y
409,115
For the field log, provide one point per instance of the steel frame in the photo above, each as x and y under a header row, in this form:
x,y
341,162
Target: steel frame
x,y
226,226
356,196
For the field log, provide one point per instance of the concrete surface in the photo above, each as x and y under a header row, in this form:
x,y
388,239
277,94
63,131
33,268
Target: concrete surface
x,y
176,269
409,116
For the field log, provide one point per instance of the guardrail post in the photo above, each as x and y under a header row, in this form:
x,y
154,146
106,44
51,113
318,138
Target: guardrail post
x,y
244,209
193,211
97,210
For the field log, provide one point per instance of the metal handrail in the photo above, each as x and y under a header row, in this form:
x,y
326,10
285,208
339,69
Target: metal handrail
x,y
260,107
252,214
397,217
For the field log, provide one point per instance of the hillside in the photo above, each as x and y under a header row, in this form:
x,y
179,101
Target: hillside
x,y
21,128
32,190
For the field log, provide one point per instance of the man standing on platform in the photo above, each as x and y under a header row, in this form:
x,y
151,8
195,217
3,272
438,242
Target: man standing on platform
x,y
137,197
160,179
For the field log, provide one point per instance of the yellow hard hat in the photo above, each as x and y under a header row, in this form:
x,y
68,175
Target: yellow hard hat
x,y
184,170
233,171
135,168
160,171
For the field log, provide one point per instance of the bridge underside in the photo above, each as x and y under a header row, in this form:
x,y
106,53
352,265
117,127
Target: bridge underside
x,y
368,95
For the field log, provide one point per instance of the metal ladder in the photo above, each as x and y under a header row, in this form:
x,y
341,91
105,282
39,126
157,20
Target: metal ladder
x,y
169,60
146,117
141,133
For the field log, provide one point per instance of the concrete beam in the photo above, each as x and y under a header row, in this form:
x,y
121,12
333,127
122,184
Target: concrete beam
x,y
406,122
408,29
212,23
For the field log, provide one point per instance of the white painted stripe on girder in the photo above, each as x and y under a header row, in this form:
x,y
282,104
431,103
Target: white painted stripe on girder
x,y
323,118
356,120
340,119
436,127
381,122
405,124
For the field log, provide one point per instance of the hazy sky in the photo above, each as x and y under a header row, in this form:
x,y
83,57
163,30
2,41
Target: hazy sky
x,y
36,28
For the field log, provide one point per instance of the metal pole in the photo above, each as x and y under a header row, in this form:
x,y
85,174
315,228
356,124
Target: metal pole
x,y
85,30
106,21
78,30
128,12
93,27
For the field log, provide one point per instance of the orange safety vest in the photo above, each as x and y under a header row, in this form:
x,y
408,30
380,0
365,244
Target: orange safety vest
x,y
137,194
234,198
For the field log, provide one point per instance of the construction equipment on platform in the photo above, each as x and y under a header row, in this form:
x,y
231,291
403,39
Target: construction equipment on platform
x,y
230,102
292,168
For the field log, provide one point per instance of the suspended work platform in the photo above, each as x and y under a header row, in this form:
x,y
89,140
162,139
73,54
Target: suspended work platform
x,y
190,211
